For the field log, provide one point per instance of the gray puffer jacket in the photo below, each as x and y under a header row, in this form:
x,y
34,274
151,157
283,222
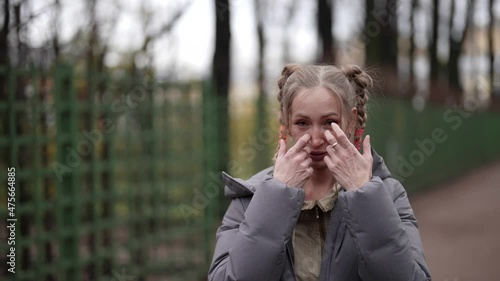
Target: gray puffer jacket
x,y
373,234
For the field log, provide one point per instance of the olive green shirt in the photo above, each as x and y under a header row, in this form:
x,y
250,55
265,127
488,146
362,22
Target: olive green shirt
x,y
310,234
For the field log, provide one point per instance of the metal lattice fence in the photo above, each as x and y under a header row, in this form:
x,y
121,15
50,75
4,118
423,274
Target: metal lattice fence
x,y
107,167
114,172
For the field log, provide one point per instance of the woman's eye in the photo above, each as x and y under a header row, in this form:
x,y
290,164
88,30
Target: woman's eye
x,y
329,122
301,123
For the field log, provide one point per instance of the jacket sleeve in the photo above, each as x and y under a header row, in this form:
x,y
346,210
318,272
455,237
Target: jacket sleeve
x,y
251,243
385,232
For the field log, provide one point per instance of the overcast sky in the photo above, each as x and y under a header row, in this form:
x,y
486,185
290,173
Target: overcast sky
x,y
187,51
189,47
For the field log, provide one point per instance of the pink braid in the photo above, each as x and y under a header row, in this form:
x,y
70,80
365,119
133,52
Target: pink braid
x,y
283,134
357,137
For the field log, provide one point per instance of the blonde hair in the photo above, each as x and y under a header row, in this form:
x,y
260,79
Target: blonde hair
x,y
349,82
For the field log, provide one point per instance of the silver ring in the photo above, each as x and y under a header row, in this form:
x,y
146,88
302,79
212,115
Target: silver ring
x,y
333,145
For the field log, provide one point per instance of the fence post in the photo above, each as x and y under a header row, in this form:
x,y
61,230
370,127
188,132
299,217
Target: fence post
x,y
210,153
67,215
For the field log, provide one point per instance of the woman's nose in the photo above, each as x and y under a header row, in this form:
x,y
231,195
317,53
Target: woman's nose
x,y
317,137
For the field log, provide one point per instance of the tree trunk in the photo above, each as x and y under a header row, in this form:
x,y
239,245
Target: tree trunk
x,y
456,47
434,43
494,91
286,28
49,217
439,90
325,31
4,70
370,37
220,83
55,39
23,156
454,53
262,159
4,51
90,209
379,35
388,49
412,48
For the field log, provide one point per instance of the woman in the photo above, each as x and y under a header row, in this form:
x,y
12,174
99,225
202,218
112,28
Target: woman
x,y
325,211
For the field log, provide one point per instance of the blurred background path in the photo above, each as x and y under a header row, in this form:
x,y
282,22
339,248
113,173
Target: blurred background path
x,y
460,226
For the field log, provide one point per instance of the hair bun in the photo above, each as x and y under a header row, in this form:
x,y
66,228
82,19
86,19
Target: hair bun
x,y
288,70
356,74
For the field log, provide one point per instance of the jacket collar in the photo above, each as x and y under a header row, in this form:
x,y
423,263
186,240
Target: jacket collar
x,y
235,187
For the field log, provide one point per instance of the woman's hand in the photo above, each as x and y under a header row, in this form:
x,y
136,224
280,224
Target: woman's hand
x,y
293,167
350,168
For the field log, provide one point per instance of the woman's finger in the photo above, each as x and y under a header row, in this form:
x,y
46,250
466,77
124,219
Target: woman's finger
x,y
329,163
304,154
330,138
301,143
367,148
331,151
308,161
309,171
341,138
282,148
307,149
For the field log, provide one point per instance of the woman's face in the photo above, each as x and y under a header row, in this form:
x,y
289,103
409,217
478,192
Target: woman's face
x,y
312,112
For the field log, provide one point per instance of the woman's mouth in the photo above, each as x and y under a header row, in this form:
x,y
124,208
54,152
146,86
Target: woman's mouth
x,y
317,155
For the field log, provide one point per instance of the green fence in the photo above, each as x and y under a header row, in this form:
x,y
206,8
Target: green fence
x,y
113,173
421,148
434,145
109,177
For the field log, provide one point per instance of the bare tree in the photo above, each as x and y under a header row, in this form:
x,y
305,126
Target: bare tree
x,y
438,71
290,11
434,42
412,46
4,66
456,46
4,48
165,29
380,32
324,25
492,48
219,93
261,116
19,57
